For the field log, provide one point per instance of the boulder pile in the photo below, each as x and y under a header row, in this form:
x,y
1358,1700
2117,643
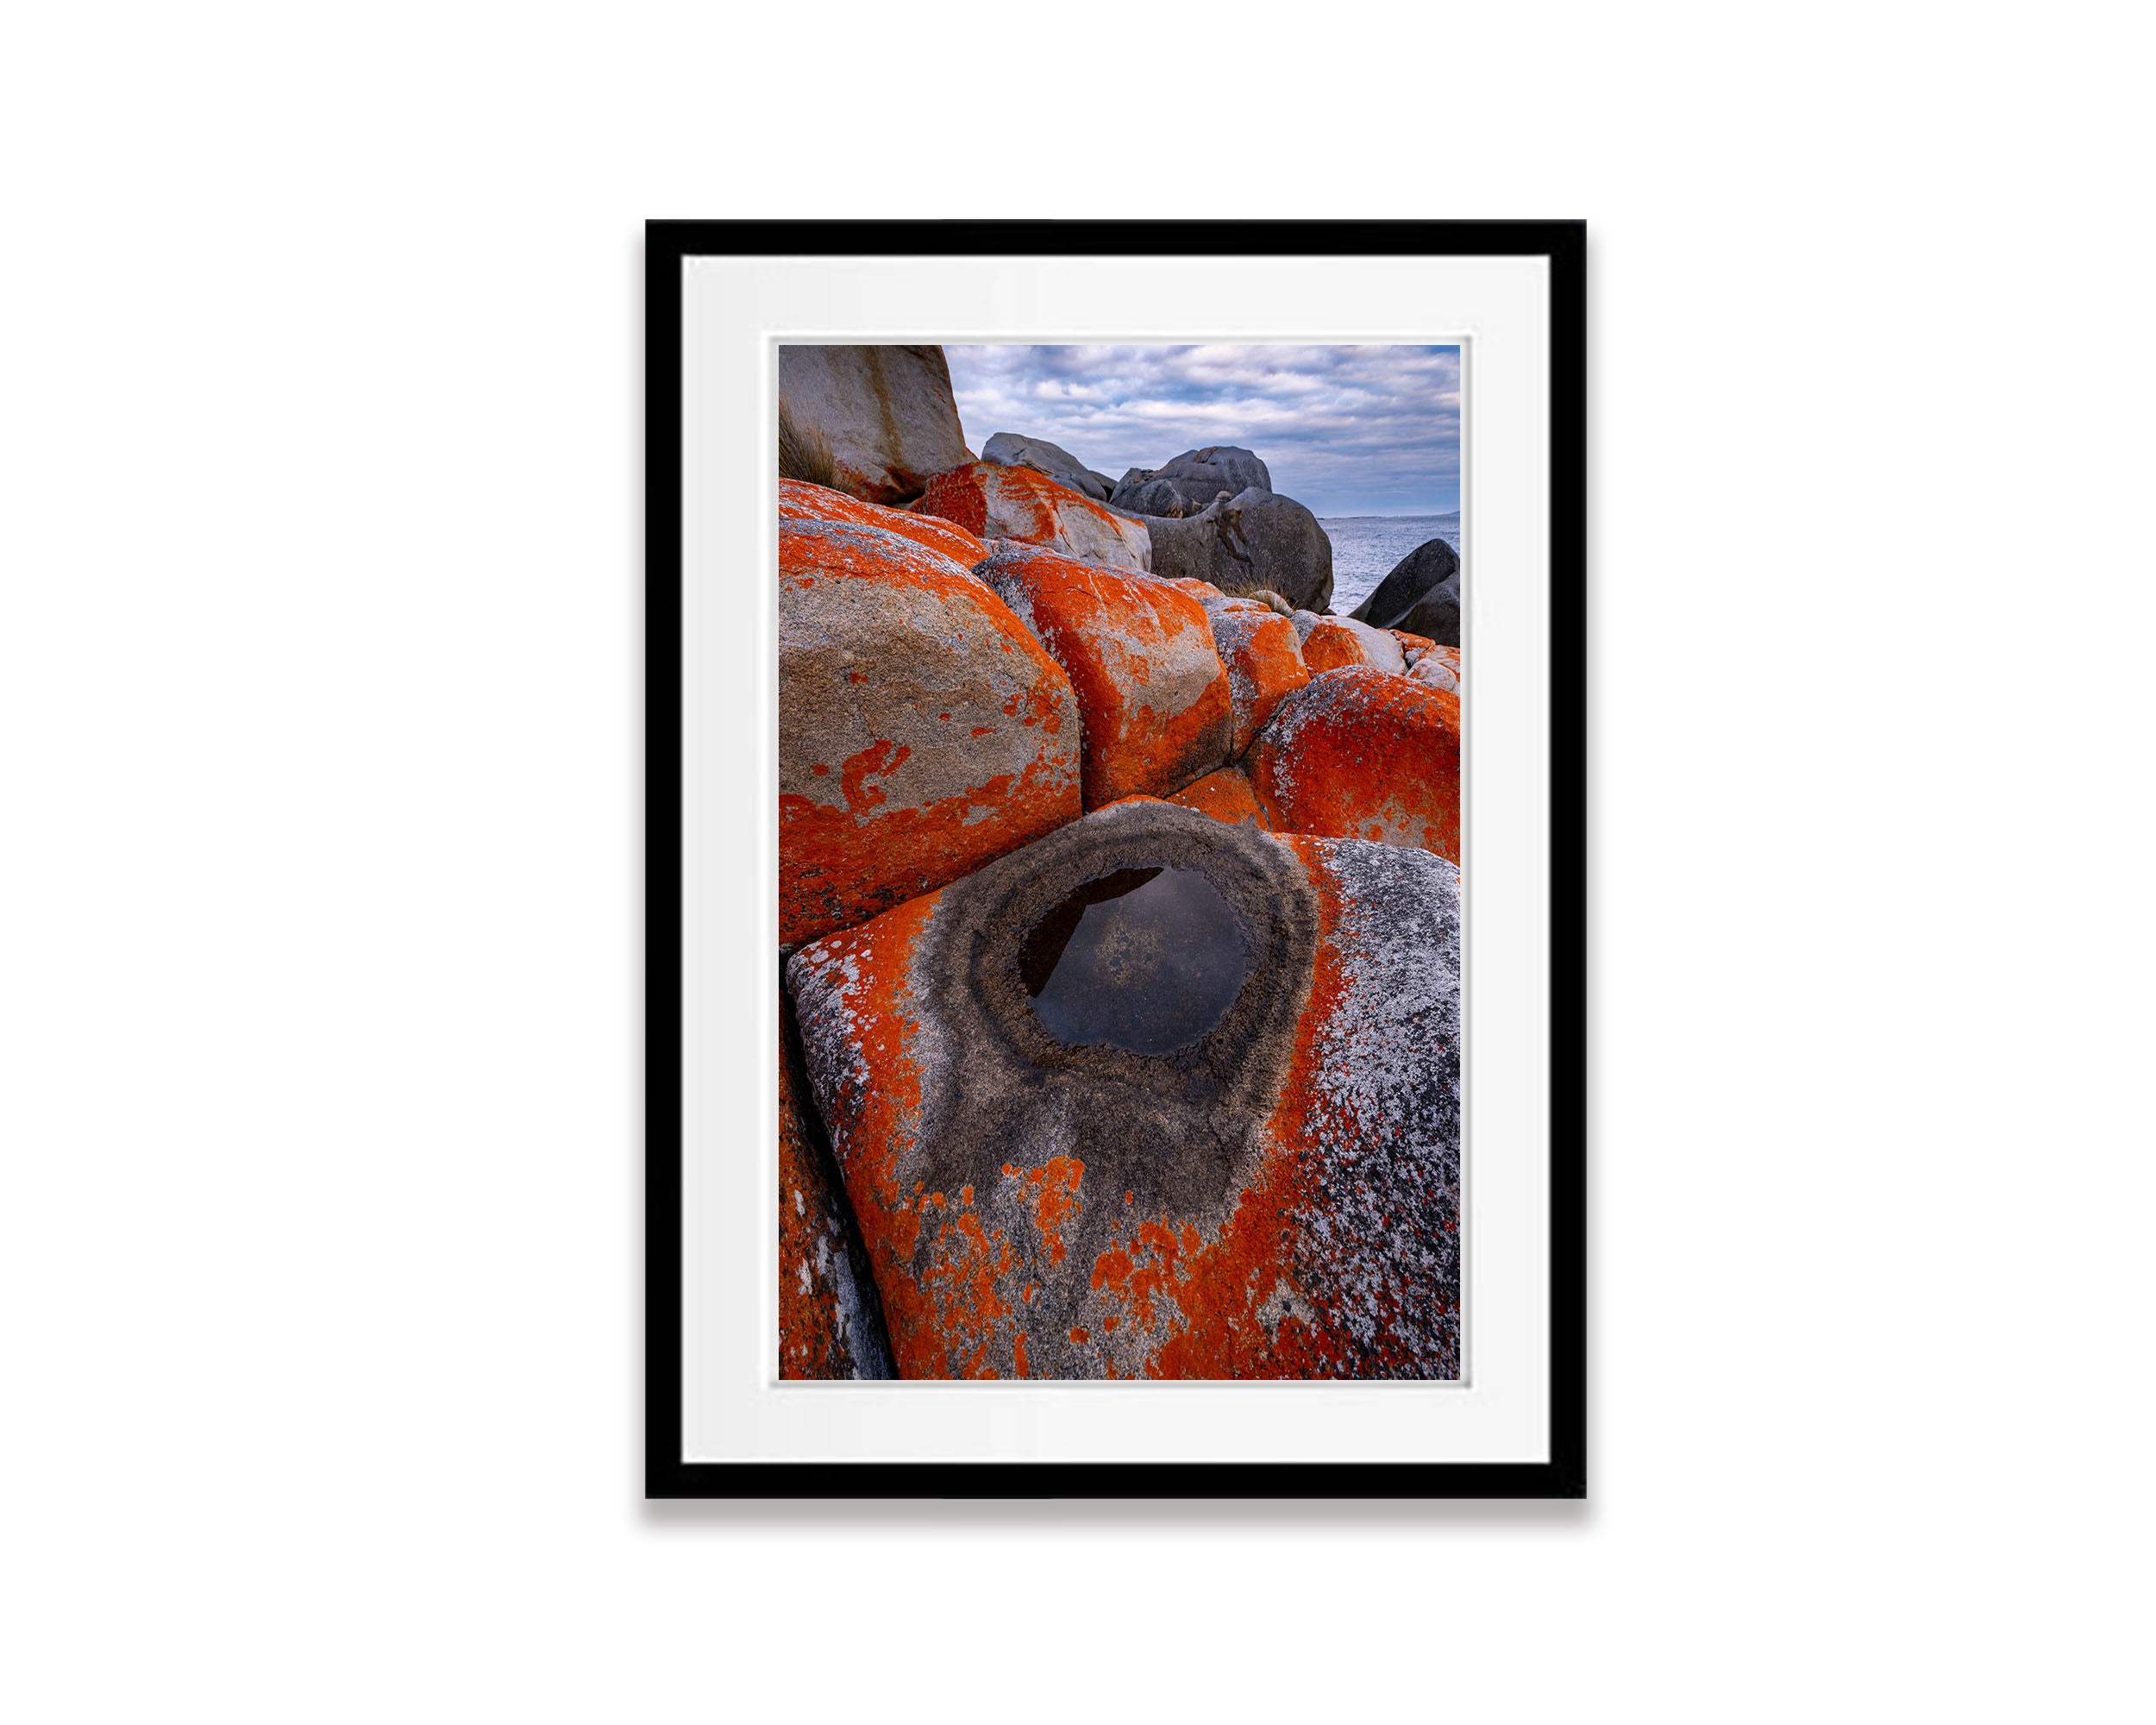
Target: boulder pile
x,y
1191,483
1154,699
1212,516
1120,909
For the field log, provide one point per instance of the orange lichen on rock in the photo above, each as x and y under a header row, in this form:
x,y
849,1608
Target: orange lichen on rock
x,y
1412,646
1288,1199
1052,1195
850,991
1438,668
829,1324
958,1271
1340,1258
1360,754
798,500
966,1278
1333,644
1226,796
1328,647
1264,663
1151,687
992,502
922,729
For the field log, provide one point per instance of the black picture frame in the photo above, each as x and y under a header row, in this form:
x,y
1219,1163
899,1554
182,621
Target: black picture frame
x,y
668,1474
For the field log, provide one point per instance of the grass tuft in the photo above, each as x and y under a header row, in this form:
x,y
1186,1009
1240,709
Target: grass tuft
x,y
803,453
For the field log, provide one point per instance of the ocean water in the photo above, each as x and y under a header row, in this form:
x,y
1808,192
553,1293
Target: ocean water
x,y
1365,548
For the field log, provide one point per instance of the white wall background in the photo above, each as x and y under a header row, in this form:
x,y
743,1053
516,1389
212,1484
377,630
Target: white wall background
x,y
319,685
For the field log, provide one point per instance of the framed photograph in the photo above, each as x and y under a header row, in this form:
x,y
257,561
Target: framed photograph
x,y
1117,859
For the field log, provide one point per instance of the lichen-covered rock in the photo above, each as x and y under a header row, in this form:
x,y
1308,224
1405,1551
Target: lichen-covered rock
x,y
1438,668
1332,643
1016,503
1012,449
1153,694
1188,484
886,415
922,729
1276,1196
1254,541
830,1323
801,501
1362,754
1412,646
1264,663
1421,595
1226,795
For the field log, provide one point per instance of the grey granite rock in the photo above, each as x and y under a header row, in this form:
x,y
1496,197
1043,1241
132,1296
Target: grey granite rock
x,y
1188,485
1420,596
885,415
1015,450
1254,541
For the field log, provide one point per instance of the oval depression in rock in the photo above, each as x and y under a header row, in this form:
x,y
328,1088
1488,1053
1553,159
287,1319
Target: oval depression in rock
x,y
1146,958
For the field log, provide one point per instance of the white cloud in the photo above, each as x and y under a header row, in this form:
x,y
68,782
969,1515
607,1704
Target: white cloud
x,y
1346,430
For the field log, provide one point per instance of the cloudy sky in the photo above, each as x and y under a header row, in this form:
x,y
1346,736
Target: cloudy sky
x,y
1343,431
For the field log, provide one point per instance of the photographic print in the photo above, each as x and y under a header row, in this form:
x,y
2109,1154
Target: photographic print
x,y
1120,714
1116,776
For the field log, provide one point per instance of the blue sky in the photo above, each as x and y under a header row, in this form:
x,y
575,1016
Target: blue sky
x,y
1343,431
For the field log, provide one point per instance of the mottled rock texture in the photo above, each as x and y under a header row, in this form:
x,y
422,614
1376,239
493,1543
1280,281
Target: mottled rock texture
x,y
886,414
1363,754
830,1323
1253,541
1332,642
922,729
1152,691
1438,668
1412,646
1226,795
1421,595
1264,664
1014,449
798,501
1016,503
1278,1198
1188,484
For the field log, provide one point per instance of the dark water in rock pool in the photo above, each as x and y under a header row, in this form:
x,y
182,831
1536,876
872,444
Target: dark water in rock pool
x,y
1148,959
